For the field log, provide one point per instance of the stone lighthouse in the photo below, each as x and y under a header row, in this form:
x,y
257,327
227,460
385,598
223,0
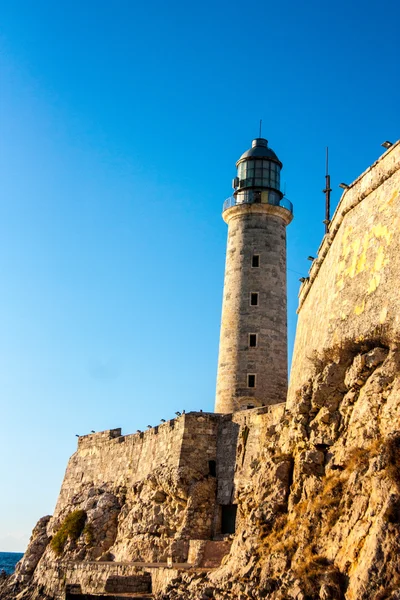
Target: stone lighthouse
x,y
252,362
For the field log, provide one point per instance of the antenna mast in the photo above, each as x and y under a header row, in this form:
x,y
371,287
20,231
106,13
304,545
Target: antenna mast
x,y
327,192
260,127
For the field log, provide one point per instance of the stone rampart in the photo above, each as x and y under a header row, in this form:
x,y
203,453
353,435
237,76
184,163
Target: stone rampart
x,y
121,460
352,293
239,444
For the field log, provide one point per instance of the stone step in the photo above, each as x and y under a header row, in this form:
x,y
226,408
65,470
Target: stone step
x,y
122,596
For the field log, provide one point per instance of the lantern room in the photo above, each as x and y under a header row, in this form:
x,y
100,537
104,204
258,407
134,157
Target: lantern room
x,y
258,175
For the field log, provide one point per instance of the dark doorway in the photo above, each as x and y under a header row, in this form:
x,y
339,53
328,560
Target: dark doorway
x,y
212,468
228,518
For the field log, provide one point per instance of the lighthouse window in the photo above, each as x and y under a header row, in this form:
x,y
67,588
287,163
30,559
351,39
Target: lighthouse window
x,y
254,298
255,260
258,173
253,340
251,380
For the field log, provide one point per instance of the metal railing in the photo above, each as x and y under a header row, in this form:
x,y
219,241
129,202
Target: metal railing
x,y
232,201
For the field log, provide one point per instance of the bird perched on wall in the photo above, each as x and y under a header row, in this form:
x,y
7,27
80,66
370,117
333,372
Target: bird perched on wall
x,y
92,431
162,420
149,426
178,413
138,431
76,435
183,412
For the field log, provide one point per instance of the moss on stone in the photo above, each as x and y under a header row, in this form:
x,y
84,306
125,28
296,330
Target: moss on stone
x,y
71,528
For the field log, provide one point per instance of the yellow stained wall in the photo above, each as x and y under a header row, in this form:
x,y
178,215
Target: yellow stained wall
x,y
354,287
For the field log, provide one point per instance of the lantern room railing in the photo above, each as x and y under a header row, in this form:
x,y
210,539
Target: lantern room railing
x,y
283,203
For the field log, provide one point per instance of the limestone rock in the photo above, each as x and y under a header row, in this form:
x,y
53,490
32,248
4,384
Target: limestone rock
x,y
317,494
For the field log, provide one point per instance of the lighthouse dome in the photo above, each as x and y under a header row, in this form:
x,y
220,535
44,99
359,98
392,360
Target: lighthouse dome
x,y
259,149
258,170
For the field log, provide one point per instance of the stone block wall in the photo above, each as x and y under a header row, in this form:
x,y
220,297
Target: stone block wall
x,y
353,291
240,438
199,441
109,457
208,553
101,577
253,229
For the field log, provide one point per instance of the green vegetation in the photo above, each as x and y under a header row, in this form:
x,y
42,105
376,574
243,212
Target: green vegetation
x,y
72,528
88,533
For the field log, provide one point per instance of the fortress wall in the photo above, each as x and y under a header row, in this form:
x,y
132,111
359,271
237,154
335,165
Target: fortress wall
x,y
239,444
199,441
353,290
109,457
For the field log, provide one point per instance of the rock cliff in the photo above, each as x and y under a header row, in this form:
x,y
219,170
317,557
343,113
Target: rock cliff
x,y
320,518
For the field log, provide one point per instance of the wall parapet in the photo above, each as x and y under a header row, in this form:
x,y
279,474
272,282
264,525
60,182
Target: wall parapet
x,y
115,435
363,186
98,437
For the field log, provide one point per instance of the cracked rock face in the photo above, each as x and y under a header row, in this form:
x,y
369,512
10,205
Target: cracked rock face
x,y
147,522
323,518
319,520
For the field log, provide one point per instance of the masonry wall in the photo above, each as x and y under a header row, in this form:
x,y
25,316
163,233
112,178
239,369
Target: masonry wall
x,y
253,229
353,291
109,457
240,438
100,578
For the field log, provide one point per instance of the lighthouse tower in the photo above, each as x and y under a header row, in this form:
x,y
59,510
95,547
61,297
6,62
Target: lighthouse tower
x,y
252,363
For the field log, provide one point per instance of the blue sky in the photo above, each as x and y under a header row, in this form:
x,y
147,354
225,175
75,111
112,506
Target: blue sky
x,y
121,123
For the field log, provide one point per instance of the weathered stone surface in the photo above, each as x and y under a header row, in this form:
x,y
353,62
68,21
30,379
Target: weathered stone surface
x,y
321,521
352,293
253,229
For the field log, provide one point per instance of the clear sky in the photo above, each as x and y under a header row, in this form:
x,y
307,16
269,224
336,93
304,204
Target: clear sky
x,y
121,123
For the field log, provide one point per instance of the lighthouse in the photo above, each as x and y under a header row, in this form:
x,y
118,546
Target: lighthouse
x,y
252,361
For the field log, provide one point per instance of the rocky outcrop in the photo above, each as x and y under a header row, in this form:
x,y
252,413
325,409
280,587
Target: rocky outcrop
x,y
318,513
149,522
322,519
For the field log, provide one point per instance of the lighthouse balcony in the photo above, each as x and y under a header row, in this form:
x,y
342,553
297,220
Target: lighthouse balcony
x,y
254,197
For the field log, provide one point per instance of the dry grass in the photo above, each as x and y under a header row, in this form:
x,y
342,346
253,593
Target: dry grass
x,y
315,569
391,452
297,535
386,594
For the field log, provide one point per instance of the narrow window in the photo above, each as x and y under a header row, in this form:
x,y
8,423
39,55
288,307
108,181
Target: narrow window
x,y
251,381
254,298
253,340
255,260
